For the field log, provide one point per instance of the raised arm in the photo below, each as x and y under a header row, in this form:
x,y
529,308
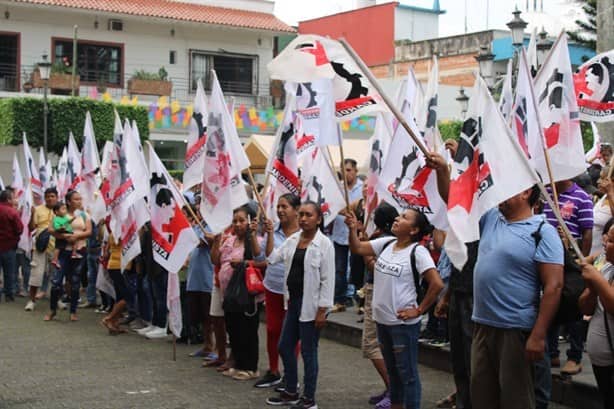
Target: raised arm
x,y
361,248
437,162
597,285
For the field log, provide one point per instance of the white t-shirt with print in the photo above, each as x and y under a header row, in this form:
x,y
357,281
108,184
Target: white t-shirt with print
x,y
393,282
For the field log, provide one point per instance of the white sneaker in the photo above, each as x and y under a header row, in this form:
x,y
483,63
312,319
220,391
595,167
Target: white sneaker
x,y
30,306
157,333
145,330
61,305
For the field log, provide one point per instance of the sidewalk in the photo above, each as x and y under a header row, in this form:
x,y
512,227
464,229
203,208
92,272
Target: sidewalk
x,y
578,391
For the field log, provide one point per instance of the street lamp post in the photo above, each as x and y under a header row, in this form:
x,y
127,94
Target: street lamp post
x,y
463,100
44,69
486,64
517,26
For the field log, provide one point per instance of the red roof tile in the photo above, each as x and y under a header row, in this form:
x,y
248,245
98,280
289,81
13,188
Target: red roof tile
x,y
175,10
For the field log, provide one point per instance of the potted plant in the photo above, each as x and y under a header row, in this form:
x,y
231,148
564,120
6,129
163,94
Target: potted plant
x,y
148,83
60,77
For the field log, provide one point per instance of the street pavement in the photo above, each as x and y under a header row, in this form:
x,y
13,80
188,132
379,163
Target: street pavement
x,y
64,364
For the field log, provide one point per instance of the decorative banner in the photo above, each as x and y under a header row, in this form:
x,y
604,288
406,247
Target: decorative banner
x,y
595,88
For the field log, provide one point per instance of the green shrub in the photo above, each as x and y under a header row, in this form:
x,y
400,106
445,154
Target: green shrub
x,y
161,75
450,129
26,114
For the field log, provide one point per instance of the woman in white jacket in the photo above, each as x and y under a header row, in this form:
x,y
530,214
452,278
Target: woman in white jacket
x,y
309,259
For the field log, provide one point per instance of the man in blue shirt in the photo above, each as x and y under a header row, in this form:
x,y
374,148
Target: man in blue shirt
x,y
339,237
511,321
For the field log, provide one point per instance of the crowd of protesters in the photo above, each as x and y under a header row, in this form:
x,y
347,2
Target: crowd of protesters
x,y
497,312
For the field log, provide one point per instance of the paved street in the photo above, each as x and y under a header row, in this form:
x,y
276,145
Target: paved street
x,y
77,365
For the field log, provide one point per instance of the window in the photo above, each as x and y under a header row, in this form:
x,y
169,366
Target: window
x,y
237,73
172,57
96,62
9,62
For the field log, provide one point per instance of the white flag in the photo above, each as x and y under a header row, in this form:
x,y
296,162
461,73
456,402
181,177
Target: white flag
x,y
532,52
594,84
595,150
222,186
282,165
195,151
320,185
172,235
17,182
90,173
487,170
310,57
173,304
315,103
428,120
62,182
131,245
32,172
73,163
507,96
405,182
135,159
25,210
380,145
2,185
44,170
558,114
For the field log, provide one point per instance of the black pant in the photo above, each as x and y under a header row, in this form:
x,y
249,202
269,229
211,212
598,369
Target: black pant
x,y
605,382
243,332
460,332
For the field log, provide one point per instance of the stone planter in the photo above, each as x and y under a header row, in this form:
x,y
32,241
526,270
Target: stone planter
x,y
150,87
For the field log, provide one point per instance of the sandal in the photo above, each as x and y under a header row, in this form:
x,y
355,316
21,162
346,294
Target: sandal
x,y
447,402
74,318
50,316
213,364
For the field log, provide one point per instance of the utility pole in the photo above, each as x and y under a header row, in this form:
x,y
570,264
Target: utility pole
x,y
605,42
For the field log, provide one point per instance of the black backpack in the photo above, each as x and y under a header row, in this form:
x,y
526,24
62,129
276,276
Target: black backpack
x,y
573,286
236,296
420,291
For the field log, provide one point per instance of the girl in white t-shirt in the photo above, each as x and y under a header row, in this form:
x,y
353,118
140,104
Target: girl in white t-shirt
x,y
396,307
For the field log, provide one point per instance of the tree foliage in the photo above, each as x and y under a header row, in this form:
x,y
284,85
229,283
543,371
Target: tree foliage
x,y
586,33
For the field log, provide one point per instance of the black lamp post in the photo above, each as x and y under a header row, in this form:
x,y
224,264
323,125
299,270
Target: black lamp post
x,y
463,100
44,69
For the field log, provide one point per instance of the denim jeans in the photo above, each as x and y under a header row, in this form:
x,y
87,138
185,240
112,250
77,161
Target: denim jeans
x,y
23,262
399,344
131,287
292,332
159,283
92,274
576,331
144,298
341,271
543,382
8,262
71,269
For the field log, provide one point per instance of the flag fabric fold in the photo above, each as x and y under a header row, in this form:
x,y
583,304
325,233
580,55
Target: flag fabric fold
x,y
488,169
507,97
558,114
32,172
310,57
197,136
17,180
594,86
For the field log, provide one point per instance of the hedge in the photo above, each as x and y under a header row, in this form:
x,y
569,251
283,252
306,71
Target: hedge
x,y
65,114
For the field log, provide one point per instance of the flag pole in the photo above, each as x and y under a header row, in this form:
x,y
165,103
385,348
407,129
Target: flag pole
x,y
253,183
342,165
385,98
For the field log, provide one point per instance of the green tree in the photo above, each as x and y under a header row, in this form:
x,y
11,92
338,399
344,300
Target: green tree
x,y
586,33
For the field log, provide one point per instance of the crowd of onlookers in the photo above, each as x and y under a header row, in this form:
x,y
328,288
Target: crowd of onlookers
x,y
498,313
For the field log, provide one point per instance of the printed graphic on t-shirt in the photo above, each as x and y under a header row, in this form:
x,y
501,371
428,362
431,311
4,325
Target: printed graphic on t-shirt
x,y
386,267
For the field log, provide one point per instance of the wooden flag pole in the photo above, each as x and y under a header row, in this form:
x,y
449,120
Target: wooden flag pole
x,y
395,111
258,198
342,165
555,194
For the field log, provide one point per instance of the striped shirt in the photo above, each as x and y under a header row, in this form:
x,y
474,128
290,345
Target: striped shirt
x,y
576,210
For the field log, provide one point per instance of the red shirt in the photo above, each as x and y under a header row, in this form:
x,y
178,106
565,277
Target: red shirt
x,y
10,227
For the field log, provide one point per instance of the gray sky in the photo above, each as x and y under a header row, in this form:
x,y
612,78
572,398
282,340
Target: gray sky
x,y
557,13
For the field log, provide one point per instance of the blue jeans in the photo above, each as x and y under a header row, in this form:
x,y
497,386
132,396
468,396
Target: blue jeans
x,y
543,381
23,262
8,262
292,332
71,269
399,344
144,298
576,331
92,274
131,287
341,271
158,289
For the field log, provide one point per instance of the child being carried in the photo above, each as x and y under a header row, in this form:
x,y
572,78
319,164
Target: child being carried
x,y
62,223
